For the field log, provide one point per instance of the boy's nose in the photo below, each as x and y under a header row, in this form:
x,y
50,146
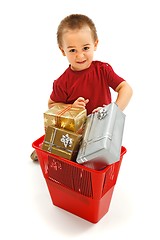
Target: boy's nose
x,y
79,56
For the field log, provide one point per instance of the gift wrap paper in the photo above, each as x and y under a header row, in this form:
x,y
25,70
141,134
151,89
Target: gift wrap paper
x,y
61,142
65,116
102,137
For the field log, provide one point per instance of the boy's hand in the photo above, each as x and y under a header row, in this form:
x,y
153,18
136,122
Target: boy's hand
x,y
80,103
96,109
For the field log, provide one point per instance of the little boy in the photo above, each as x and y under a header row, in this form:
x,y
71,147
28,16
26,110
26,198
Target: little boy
x,y
85,83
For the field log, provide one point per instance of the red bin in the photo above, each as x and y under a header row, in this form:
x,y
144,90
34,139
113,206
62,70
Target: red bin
x,y
76,188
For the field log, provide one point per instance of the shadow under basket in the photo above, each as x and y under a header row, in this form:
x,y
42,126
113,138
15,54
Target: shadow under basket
x,y
76,188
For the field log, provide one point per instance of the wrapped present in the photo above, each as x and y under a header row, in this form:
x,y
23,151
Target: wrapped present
x,y
61,142
102,139
65,116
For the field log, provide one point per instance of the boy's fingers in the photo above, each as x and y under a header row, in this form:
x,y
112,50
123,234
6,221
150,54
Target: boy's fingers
x,y
96,110
80,99
86,101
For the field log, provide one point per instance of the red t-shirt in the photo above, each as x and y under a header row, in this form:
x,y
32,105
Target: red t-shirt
x,y
92,83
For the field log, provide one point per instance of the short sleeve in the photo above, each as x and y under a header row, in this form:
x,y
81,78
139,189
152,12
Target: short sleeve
x,y
58,92
113,79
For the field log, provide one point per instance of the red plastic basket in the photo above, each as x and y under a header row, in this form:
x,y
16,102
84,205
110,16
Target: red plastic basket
x,y
76,188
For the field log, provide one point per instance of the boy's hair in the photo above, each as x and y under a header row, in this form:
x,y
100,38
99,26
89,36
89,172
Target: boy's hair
x,y
75,21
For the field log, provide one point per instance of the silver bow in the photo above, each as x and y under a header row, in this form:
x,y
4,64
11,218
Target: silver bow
x,y
66,140
102,113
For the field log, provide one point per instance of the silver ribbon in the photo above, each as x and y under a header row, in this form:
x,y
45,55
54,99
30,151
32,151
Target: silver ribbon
x,y
65,139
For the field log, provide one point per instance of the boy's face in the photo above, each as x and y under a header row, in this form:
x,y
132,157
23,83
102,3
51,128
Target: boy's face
x,y
78,46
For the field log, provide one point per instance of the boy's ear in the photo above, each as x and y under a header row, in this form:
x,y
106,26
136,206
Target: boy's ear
x,y
62,51
96,44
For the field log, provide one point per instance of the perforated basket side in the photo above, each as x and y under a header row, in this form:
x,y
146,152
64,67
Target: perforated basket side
x,y
70,176
110,179
112,173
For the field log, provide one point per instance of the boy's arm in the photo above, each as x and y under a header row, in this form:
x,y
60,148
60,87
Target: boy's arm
x,y
50,103
124,94
79,103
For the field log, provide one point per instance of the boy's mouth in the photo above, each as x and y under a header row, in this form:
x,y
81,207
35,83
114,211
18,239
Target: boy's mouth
x,y
81,62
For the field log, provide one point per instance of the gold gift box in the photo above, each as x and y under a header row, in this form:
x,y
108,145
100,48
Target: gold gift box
x,y
62,142
65,116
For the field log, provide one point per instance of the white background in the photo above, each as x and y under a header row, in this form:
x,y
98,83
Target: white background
x,y
30,60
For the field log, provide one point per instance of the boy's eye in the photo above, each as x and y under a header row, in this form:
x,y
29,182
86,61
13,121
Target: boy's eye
x,y
86,48
72,50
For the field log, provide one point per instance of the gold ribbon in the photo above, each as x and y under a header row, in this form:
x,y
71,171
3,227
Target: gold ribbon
x,y
60,113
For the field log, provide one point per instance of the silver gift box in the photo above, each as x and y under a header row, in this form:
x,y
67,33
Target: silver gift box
x,y
102,137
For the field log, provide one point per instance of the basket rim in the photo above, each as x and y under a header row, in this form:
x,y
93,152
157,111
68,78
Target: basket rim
x,y
36,145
